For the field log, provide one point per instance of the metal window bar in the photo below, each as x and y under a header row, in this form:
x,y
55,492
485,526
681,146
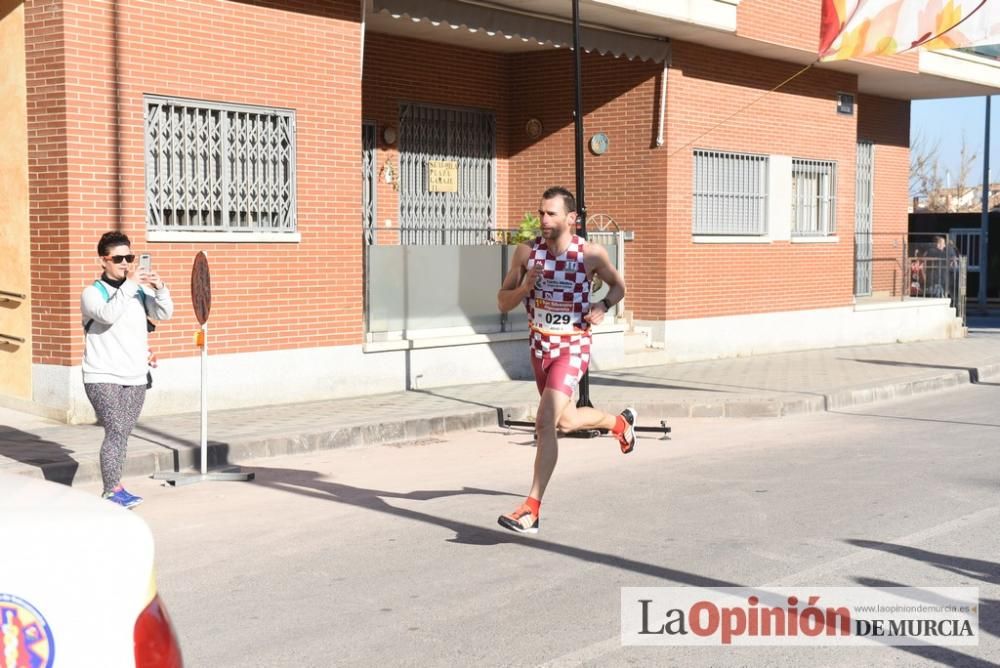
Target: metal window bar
x,y
814,197
216,166
730,193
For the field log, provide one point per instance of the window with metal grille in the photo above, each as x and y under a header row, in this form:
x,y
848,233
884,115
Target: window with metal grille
x,y
814,198
219,167
730,193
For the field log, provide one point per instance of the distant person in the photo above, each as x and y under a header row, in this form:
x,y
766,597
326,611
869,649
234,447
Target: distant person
x,y
551,276
116,353
940,260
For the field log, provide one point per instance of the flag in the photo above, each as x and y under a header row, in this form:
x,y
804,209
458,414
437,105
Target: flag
x,y
853,28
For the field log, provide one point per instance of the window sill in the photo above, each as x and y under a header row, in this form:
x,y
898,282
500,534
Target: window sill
x,y
733,239
816,240
205,237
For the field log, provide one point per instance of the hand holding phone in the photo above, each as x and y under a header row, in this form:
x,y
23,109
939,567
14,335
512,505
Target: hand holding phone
x,y
146,262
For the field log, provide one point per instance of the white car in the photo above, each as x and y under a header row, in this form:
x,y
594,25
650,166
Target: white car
x,y
77,583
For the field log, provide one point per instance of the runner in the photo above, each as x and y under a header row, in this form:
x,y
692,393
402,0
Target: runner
x,y
552,277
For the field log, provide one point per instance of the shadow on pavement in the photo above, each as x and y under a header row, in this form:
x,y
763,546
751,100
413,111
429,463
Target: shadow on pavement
x,y
987,571
972,371
54,460
308,483
989,615
912,419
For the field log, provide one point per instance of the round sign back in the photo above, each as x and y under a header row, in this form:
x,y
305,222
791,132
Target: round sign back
x,y
201,288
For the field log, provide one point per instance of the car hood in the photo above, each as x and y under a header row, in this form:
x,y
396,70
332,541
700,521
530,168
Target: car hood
x,y
81,563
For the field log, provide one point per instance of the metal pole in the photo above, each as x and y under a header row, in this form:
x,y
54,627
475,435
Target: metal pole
x,y
984,236
204,399
581,207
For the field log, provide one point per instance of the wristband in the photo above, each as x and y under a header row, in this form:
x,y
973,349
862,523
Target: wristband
x,y
607,305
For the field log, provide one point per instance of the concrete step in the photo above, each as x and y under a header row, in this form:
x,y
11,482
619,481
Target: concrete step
x,y
635,342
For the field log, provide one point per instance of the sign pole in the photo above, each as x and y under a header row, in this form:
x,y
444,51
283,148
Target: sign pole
x,y
204,399
201,299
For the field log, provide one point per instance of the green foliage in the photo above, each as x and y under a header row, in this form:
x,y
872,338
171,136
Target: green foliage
x,y
529,228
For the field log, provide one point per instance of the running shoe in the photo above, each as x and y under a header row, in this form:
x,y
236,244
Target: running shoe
x,y
626,439
521,520
123,498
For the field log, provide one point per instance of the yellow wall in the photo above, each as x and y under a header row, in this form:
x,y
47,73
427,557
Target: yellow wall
x,y
15,276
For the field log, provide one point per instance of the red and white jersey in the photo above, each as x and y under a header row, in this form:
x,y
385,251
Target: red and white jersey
x,y
559,301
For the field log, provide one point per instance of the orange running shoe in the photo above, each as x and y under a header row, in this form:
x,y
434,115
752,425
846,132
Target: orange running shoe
x,y
521,520
626,439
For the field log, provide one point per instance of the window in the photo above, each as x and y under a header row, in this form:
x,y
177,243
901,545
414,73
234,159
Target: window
x,y
219,167
730,193
814,199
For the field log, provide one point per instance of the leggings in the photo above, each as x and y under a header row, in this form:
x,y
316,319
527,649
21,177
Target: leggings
x,y
118,408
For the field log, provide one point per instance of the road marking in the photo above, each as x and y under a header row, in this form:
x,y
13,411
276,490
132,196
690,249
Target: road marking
x,y
805,576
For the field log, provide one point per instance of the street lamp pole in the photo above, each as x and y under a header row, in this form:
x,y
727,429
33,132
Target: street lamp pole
x,y
984,235
581,206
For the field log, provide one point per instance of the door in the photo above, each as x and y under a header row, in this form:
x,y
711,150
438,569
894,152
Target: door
x,y
863,199
462,143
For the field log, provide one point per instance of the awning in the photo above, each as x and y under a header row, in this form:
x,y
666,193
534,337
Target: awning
x,y
492,18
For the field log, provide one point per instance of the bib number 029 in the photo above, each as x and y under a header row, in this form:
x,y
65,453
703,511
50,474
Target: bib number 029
x,y
557,319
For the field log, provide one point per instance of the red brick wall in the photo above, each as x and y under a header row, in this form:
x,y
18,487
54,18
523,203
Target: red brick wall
x,y
620,98
793,23
405,70
301,55
886,123
48,183
717,101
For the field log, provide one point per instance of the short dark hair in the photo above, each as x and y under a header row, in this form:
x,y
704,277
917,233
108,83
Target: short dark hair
x,y
558,191
110,240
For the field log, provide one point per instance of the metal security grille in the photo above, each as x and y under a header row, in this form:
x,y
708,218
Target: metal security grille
x,y
863,200
814,198
468,137
219,167
730,193
368,181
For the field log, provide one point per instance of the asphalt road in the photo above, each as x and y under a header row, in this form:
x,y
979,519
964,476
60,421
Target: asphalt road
x,y
391,556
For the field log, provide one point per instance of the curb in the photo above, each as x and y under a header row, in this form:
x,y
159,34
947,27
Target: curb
x,y
146,462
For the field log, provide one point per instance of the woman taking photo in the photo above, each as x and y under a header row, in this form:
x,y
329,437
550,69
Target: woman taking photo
x,y
116,353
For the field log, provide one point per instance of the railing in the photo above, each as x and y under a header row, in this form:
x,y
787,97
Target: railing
x,y
444,282
917,266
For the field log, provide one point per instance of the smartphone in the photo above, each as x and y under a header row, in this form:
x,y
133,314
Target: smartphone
x,y
146,261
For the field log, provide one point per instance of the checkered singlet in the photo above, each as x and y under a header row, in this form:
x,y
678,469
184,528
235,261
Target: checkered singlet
x,y
558,302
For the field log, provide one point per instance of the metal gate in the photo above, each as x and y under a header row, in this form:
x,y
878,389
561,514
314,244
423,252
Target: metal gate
x,y
864,197
466,138
368,181
967,244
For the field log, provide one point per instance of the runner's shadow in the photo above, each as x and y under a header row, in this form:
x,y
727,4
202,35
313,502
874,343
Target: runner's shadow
x,y
308,483
55,461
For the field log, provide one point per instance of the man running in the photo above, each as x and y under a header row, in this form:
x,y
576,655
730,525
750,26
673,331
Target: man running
x,y
552,275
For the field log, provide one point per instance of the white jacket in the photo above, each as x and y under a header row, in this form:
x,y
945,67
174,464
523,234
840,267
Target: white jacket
x,y
117,349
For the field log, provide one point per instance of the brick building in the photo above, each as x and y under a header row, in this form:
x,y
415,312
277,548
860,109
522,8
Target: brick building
x,y
292,139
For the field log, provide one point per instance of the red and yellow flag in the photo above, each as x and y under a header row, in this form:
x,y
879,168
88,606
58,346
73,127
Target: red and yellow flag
x,y
853,28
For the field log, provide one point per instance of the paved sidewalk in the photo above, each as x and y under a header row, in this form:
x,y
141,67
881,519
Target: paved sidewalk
x,y
762,386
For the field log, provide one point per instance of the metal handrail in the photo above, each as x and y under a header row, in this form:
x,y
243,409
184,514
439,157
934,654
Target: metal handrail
x,y
18,295
17,339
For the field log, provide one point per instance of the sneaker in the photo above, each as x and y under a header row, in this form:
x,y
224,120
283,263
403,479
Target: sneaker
x,y
123,498
521,520
626,439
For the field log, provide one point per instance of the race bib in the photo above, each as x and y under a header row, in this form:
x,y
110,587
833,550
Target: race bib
x,y
554,317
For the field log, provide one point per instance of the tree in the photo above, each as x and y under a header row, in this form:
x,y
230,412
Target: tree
x,y
926,178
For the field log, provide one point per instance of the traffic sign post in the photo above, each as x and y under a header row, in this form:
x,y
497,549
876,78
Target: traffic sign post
x,y
201,298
